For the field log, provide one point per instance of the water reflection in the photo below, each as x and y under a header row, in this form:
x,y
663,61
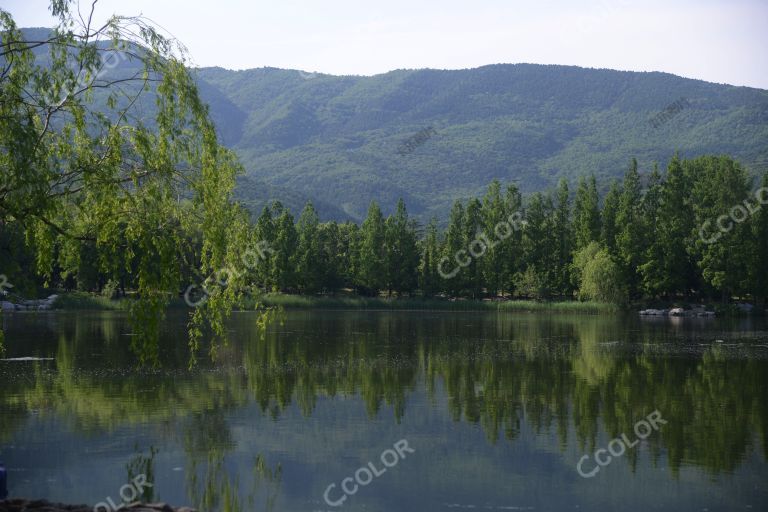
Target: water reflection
x,y
546,385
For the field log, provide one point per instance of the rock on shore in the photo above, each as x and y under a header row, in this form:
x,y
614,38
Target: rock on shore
x,y
29,305
19,505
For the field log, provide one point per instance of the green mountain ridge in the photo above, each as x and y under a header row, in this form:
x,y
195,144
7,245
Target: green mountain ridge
x,y
339,139
433,136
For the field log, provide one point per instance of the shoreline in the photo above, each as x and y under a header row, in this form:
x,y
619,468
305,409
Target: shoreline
x,y
24,505
83,301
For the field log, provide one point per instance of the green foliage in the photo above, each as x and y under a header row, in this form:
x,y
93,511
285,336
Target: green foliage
x,y
278,300
563,242
540,251
88,301
401,252
719,185
429,278
455,241
101,190
630,229
586,213
372,251
110,289
530,123
644,243
531,284
286,242
309,258
600,279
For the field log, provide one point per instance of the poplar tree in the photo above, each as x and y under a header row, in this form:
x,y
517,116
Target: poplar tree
x,y
630,229
264,232
537,280
492,263
372,251
448,267
284,260
333,256
401,252
586,213
609,227
652,271
676,231
563,242
430,282
511,248
310,262
479,252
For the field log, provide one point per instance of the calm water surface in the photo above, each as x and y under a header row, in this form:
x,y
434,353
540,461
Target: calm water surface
x,y
497,408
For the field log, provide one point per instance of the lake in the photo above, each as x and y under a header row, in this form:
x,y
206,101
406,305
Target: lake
x,y
392,411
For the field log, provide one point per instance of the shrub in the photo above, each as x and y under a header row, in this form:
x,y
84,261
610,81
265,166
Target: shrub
x,y
598,275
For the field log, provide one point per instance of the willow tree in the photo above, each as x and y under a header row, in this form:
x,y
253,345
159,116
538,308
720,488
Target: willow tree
x,y
105,140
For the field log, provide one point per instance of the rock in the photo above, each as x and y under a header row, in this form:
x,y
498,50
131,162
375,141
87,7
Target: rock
x,y
654,312
676,312
19,505
29,305
24,359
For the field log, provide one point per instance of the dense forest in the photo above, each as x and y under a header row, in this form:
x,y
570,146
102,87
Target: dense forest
x,y
695,231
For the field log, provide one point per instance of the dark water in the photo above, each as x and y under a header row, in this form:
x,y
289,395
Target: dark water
x,y
498,409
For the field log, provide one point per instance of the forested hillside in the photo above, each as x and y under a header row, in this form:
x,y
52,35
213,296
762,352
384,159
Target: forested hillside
x,y
432,136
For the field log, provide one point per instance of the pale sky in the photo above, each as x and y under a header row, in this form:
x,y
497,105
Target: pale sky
x,y
720,41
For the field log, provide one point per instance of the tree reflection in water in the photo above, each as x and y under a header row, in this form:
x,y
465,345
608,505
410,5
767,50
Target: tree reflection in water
x,y
568,374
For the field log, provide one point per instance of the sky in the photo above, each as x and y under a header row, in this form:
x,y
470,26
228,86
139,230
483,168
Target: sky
x,y
721,41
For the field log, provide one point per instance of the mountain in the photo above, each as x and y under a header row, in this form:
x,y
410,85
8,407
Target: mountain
x,y
432,136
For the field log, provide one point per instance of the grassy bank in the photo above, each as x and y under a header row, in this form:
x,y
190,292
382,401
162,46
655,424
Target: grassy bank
x,y
307,302
88,301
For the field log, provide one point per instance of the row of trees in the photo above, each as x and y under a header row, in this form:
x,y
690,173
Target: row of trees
x,y
658,235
